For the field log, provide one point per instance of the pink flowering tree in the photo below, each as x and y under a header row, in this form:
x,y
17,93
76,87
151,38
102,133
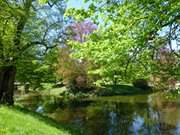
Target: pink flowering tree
x,y
74,71
81,29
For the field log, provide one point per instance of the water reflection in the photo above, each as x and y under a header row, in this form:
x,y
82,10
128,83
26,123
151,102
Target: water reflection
x,y
177,130
40,109
108,117
113,123
137,125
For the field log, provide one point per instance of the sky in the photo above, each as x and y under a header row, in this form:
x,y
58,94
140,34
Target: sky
x,y
77,4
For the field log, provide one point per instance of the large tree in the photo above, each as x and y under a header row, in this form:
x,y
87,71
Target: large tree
x,y
130,35
24,24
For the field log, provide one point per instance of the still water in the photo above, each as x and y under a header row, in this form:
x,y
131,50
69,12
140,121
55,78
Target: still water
x,y
121,115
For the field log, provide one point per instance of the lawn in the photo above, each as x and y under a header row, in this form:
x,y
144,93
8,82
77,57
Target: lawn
x,y
16,121
114,90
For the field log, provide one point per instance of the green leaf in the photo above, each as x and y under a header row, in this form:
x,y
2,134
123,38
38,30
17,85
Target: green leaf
x,y
43,1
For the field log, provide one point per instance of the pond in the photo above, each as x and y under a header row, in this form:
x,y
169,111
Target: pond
x,y
119,115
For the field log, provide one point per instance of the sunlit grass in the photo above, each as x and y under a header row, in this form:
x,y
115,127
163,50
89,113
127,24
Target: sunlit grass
x,y
15,121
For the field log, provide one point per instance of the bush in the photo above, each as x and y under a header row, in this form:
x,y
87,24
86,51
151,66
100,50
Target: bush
x,y
141,83
73,72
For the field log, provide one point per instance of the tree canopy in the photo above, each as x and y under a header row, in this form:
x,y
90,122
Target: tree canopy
x,y
28,29
130,36
111,41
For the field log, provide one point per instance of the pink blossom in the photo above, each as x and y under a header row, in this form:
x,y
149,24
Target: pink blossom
x,y
81,29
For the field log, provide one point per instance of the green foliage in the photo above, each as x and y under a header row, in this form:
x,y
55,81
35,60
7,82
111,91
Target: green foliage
x,y
72,71
27,41
13,19
43,1
173,95
125,45
36,71
114,90
78,14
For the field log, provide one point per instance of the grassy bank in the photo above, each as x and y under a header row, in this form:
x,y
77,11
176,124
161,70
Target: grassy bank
x,y
16,121
115,90
59,94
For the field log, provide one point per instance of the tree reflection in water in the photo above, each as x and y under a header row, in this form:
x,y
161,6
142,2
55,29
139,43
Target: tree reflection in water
x,y
107,117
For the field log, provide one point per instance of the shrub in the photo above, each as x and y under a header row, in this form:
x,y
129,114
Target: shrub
x,y
141,83
73,72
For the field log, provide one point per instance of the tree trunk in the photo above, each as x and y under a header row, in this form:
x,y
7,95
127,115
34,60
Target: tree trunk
x,y
7,79
26,88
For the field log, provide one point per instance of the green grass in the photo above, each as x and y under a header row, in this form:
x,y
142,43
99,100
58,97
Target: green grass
x,y
47,92
114,90
54,91
16,121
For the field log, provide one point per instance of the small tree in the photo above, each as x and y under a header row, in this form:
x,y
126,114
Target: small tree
x,y
73,71
167,66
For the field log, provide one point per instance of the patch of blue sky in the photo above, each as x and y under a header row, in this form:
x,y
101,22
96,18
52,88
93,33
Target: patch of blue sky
x,y
77,4
163,32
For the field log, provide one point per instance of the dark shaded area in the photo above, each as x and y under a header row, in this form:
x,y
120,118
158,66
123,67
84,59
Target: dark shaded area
x,y
141,84
7,78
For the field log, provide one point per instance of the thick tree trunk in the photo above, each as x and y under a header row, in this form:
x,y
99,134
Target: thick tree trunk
x,y
7,79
